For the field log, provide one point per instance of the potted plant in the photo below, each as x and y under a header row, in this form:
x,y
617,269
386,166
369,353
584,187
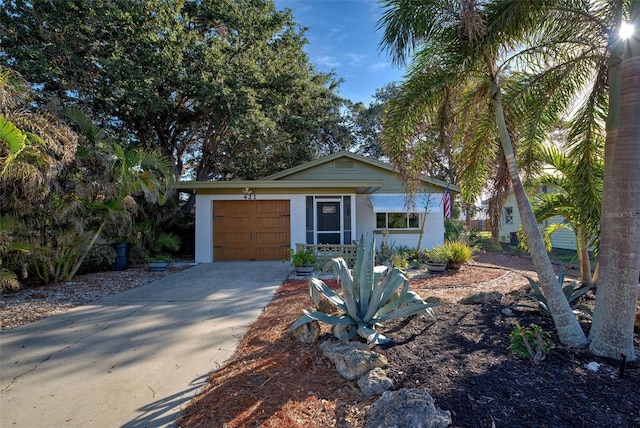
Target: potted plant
x,y
458,252
157,260
437,259
304,261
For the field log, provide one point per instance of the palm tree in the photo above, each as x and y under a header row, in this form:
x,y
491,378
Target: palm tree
x,y
568,202
454,45
616,300
128,173
574,55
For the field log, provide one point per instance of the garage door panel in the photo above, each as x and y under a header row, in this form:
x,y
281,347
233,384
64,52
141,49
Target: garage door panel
x,y
231,238
232,253
272,207
272,238
272,222
232,223
251,230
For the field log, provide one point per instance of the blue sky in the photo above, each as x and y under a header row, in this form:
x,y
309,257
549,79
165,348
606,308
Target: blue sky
x,y
343,39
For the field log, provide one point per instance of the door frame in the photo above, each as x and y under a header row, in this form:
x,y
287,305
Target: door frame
x,y
333,199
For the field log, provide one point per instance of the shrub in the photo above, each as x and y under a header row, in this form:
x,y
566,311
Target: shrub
x,y
368,297
453,229
436,255
458,251
530,342
303,258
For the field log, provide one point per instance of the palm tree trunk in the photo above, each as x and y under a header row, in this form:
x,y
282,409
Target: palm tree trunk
x,y
618,282
569,331
613,119
585,263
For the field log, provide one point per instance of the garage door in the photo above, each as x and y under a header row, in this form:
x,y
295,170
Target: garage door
x,y
251,230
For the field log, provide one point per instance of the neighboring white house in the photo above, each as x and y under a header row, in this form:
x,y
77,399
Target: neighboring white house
x,y
332,200
562,239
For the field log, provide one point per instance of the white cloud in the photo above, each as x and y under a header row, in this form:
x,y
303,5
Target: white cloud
x,y
354,59
328,61
379,66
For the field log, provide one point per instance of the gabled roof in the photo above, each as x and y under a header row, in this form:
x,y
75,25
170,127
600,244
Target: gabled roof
x,y
317,175
359,158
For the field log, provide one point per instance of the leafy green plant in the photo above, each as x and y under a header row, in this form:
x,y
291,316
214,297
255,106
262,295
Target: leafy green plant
x,y
530,342
368,297
453,229
572,292
436,255
458,251
161,242
400,261
303,258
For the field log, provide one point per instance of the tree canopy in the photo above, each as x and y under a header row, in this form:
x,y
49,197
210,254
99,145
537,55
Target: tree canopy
x,y
221,87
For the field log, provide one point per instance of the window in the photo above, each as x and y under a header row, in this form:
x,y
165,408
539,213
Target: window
x,y
508,215
397,220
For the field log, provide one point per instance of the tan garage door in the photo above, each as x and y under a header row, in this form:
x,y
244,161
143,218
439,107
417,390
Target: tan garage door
x,y
251,230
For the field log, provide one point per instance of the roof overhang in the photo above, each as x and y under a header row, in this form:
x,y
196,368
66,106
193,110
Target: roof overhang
x,y
389,203
356,186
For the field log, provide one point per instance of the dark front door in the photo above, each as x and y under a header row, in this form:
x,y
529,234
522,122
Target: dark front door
x,y
329,224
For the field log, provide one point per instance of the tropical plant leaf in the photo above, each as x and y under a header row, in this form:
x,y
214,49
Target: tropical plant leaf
x,y
342,272
309,316
318,286
407,311
372,336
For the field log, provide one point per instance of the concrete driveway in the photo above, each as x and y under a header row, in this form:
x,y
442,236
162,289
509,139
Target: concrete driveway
x,y
134,359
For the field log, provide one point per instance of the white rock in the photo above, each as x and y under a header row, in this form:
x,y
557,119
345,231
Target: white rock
x,y
593,366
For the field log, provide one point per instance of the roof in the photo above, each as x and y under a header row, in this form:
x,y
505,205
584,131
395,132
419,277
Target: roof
x,y
301,177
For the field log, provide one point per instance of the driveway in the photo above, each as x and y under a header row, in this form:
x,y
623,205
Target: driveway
x,y
134,359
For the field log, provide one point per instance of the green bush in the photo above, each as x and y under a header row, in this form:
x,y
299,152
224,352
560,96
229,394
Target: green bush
x,y
368,297
436,255
530,342
303,258
458,251
453,229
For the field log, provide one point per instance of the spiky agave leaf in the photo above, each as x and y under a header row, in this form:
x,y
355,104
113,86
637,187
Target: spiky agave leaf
x,y
365,278
318,287
309,316
342,272
372,336
384,291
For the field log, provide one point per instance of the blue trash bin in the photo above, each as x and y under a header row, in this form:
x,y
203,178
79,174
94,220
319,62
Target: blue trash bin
x,y
122,256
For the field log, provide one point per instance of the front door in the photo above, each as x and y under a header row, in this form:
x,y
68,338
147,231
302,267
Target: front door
x,y
328,222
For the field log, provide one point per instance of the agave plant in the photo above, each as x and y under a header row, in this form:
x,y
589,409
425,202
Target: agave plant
x,y
370,295
572,292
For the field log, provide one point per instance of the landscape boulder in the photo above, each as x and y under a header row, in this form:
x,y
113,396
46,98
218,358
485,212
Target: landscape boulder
x,y
352,359
413,408
307,333
481,298
375,382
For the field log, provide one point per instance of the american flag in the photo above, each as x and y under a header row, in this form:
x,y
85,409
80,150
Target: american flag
x,y
446,203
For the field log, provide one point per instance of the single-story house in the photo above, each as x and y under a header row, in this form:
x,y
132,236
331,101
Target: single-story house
x,y
563,239
333,200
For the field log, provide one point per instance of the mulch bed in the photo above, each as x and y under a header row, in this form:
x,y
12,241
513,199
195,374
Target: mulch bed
x,y
461,357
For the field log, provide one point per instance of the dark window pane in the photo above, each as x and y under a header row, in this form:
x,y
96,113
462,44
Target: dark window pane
x,y
381,220
414,220
397,220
